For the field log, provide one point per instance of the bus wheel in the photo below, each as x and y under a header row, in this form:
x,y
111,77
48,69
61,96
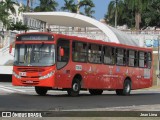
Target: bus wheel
x,y
76,86
95,91
41,90
126,89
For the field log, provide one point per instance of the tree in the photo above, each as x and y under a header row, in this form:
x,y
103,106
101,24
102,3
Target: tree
x,y
151,15
9,5
4,15
69,6
115,11
18,26
46,5
88,11
138,6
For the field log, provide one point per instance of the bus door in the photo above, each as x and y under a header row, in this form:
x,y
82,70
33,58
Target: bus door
x,y
63,55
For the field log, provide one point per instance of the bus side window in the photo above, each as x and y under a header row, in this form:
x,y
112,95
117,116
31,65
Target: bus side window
x,y
141,59
132,61
120,54
79,52
108,55
62,60
149,59
95,53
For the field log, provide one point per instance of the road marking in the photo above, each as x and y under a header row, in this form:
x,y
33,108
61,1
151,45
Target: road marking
x,y
11,89
6,90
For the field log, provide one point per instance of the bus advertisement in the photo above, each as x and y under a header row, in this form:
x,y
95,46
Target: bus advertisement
x,y
51,61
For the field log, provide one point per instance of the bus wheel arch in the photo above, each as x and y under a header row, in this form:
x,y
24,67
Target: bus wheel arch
x,y
76,86
127,86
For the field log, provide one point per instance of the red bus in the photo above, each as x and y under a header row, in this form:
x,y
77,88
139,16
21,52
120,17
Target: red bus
x,y
51,61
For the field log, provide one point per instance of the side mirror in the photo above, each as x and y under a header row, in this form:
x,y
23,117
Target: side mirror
x,y
61,52
10,49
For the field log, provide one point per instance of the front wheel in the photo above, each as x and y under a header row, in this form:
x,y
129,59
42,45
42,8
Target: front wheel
x,y
41,90
76,86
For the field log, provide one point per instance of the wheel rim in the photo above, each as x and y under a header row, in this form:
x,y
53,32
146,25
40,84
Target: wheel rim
x,y
75,87
127,88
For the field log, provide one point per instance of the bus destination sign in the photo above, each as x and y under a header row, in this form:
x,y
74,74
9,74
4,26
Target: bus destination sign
x,y
37,37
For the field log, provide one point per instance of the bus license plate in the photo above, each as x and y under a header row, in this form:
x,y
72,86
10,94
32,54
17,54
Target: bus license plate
x,y
29,81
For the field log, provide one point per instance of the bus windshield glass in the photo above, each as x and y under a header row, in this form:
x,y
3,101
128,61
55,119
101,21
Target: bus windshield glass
x,y
34,55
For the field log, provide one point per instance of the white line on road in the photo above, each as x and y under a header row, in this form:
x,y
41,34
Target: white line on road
x,y
6,90
11,89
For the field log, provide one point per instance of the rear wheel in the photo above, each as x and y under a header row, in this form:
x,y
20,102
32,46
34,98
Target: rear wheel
x,y
41,90
126,88
76,86
95,91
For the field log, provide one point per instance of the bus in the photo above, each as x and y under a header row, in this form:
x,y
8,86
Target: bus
x,y
49,61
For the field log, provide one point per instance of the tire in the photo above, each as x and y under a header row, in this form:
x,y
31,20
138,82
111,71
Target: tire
x,y
95,91
42,91
76,86
126,88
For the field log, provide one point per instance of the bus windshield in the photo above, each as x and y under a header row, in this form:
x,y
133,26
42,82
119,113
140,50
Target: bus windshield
x,y
34,55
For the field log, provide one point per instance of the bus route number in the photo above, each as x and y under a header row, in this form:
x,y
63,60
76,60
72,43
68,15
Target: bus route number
x,y
79,67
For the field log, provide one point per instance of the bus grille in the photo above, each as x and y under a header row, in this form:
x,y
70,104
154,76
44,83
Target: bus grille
x,y
27,82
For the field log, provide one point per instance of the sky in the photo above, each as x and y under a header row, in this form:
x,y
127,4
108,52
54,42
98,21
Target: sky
x,y
100,6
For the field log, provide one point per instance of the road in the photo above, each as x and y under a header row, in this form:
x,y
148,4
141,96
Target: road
x,y
25,98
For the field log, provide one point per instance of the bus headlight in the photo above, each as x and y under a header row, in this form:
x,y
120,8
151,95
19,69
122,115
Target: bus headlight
x,y
47,76
17,76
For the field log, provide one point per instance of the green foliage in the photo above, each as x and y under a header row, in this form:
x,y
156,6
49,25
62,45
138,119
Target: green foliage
x,y
134,13
71,6
18,26
9,5
5,6
88,12
46,6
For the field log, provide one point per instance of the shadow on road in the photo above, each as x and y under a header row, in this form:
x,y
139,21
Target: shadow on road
x,y
5,78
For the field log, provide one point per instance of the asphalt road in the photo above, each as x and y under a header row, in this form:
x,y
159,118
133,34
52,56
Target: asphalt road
x,y
25,98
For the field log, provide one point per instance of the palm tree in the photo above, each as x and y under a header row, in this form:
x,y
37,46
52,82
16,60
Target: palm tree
x,y
115,8
138,6
85,3
88,11
70,6
46,5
